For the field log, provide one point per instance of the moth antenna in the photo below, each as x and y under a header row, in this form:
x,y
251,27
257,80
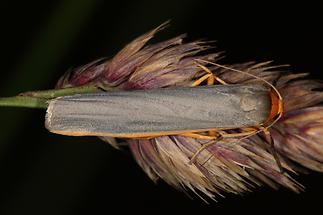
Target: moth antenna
x,y
280,98
274,118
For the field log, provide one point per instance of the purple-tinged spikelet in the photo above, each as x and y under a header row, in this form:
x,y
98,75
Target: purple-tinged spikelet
x,y
228,165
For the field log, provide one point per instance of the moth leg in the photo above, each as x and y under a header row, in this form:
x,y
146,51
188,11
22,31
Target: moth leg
x,y
205,146
212,133
213,136
211,77
198,136
200,80
148,137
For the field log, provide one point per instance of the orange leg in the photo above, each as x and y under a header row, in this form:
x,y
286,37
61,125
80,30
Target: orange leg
x,y
211,78
205,146
215,137
200,80
198,136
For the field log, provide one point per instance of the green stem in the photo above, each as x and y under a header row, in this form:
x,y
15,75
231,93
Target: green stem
x,y
22,101
39,99
53,93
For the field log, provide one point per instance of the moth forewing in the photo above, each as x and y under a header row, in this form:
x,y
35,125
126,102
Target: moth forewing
x,y
157,112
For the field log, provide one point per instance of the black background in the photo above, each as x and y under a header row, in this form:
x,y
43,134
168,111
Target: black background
x,y
44,173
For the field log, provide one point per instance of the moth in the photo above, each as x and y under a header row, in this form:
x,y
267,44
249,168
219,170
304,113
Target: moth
x,y
197,111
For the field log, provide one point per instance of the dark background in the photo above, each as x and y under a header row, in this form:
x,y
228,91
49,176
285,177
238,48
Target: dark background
x,y
44,173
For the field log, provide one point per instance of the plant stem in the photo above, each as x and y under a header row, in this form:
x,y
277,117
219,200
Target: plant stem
x,y
39,99
22,101
53,93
